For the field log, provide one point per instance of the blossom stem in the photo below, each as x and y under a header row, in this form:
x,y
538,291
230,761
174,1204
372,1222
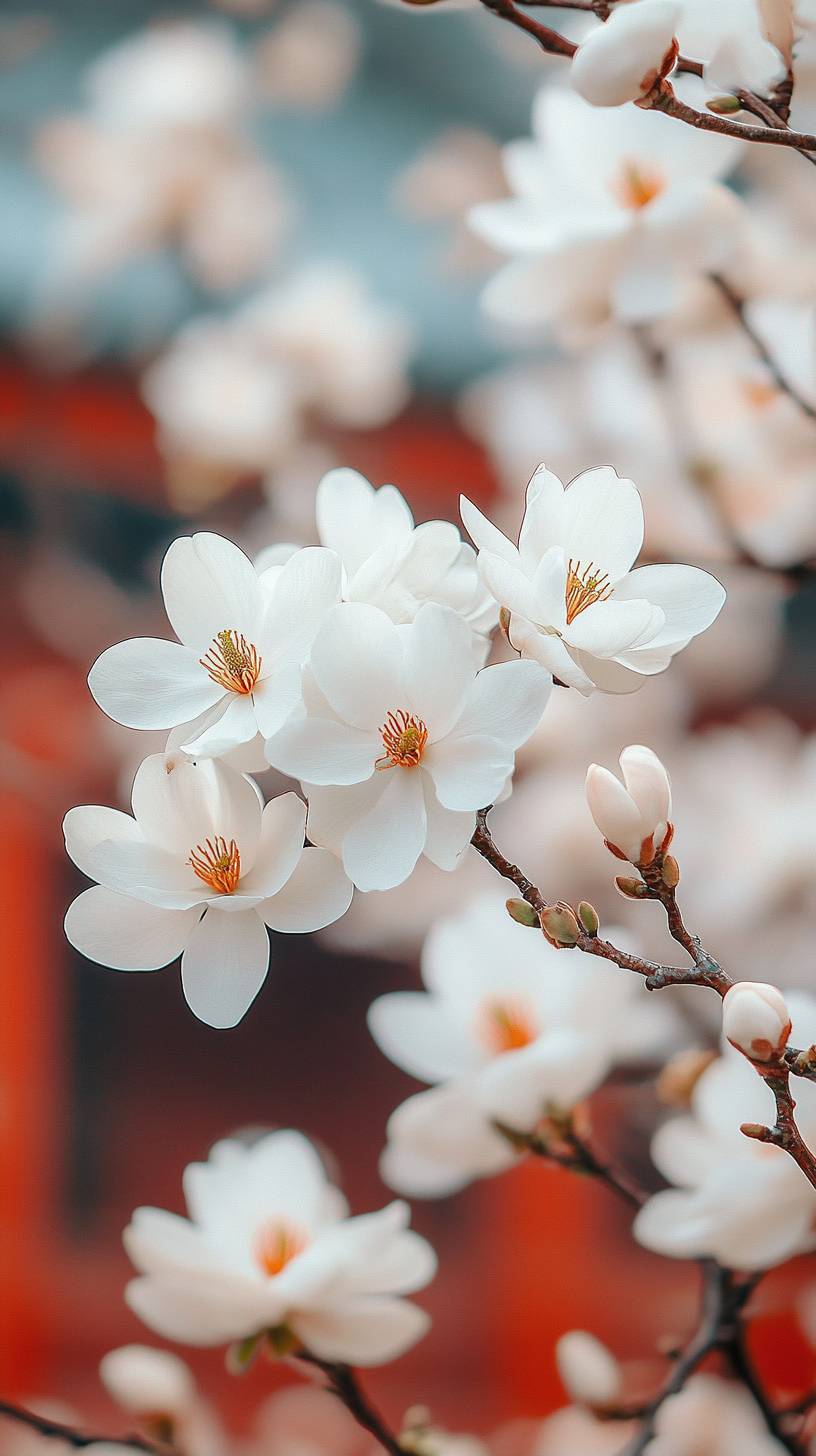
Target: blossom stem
x,y
79,1440
738,305
343,1383
569,1150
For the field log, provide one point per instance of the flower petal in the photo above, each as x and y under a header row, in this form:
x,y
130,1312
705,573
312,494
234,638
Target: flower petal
x,y
468,772
211,1310
236,726
486,536
354,519
381,849
357,662
209,586
224,966
607,628
88,825
322,751
418,1033
283,830
506,702
448,833
316,894
362,1331
304,591
603,521
126,934
277,696
149,683
332,810
438,666
691,599
180,803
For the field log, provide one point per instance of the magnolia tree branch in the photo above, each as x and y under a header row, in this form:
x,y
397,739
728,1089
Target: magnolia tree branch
x,y
738,305
557,1141
79,1440
343,1383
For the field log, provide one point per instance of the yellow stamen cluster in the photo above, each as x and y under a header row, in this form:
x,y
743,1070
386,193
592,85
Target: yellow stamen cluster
x,y
233,662
217,863
584,588
277,1244
404,738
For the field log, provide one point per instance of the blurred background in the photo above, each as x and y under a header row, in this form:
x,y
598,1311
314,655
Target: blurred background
x,y
234,253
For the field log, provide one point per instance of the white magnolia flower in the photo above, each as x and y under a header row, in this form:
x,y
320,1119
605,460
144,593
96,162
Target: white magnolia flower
x,y
756,1020
402,740
393,564
613,213
740,42
589,1371
187,74
740,1201
575,604
148,1382
269,1246
199,871
244,636
635,821
507,1027
623,59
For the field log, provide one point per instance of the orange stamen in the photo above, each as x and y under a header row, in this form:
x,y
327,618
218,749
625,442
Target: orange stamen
x,y
277,1244
404,738
233,662
217,863
507,1026
584,588
637,186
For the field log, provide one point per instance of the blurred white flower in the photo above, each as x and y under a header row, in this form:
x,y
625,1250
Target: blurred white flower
x,y
589,1371
737,1200
461,168
198,846
183,74
244,637
738,41
613,212
309,56
508,1031
393,564
269,1247
575,604
756,1020
148,1382
624,58
402,740
635,820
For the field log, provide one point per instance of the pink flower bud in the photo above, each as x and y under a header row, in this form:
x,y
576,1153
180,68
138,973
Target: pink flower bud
x,y
621,60
756,1020
590,1373
635,820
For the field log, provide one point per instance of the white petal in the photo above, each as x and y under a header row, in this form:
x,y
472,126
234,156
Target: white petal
x,y
317,894
86,826
511,587
149,683
615,813
439,1140
126,934
353,519
179,804
322,751
603,521
224,966
551,653
236,726
146,873
438,666
544,512
283,829
357,662
209,586
362,1331
333,810
506,702
691,599
608,628
468,772
303,593
448,832
559,1068
381,849
648,783
198,1312
277,696
486,536
417,1033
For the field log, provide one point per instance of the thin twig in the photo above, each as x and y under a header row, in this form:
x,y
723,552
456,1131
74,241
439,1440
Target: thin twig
x,y
569,1150
79,1440
343,1383
736,303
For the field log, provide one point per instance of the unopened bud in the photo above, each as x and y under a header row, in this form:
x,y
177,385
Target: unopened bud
x,y
670,871
756,1130
589,918
590,1373
633,816
560,925
521,912
147,1382
756,1020
630,888
681,1074
724,105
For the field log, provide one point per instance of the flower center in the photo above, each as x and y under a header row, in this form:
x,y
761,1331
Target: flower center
x,y
636,186
404,738
217,863
584,588
232,661
277,1244
507,1025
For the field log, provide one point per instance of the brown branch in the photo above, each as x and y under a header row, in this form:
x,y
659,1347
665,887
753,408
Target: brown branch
x,y
549,40
784,1134
343,1383
557,1141
738,305
79,1440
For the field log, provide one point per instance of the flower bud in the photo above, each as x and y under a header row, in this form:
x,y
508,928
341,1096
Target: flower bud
x,y
623,59
560,925
590,1373
756,1020
723,105
522,912
147,1382
630,888
589,918
671,871
634,817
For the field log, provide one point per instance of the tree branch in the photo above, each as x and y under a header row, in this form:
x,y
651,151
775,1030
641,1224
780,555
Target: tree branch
x,y
343,1383
568,1149
79,1440
736,303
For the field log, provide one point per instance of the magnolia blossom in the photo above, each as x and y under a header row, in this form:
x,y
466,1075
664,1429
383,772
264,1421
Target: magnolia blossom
x,y
402,740
737,1200
612,214
624,58
589,1371
636,820
268,1247
756,1020
148,1382
200,871
575,604
508,1029
244,636
393,564
743,44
